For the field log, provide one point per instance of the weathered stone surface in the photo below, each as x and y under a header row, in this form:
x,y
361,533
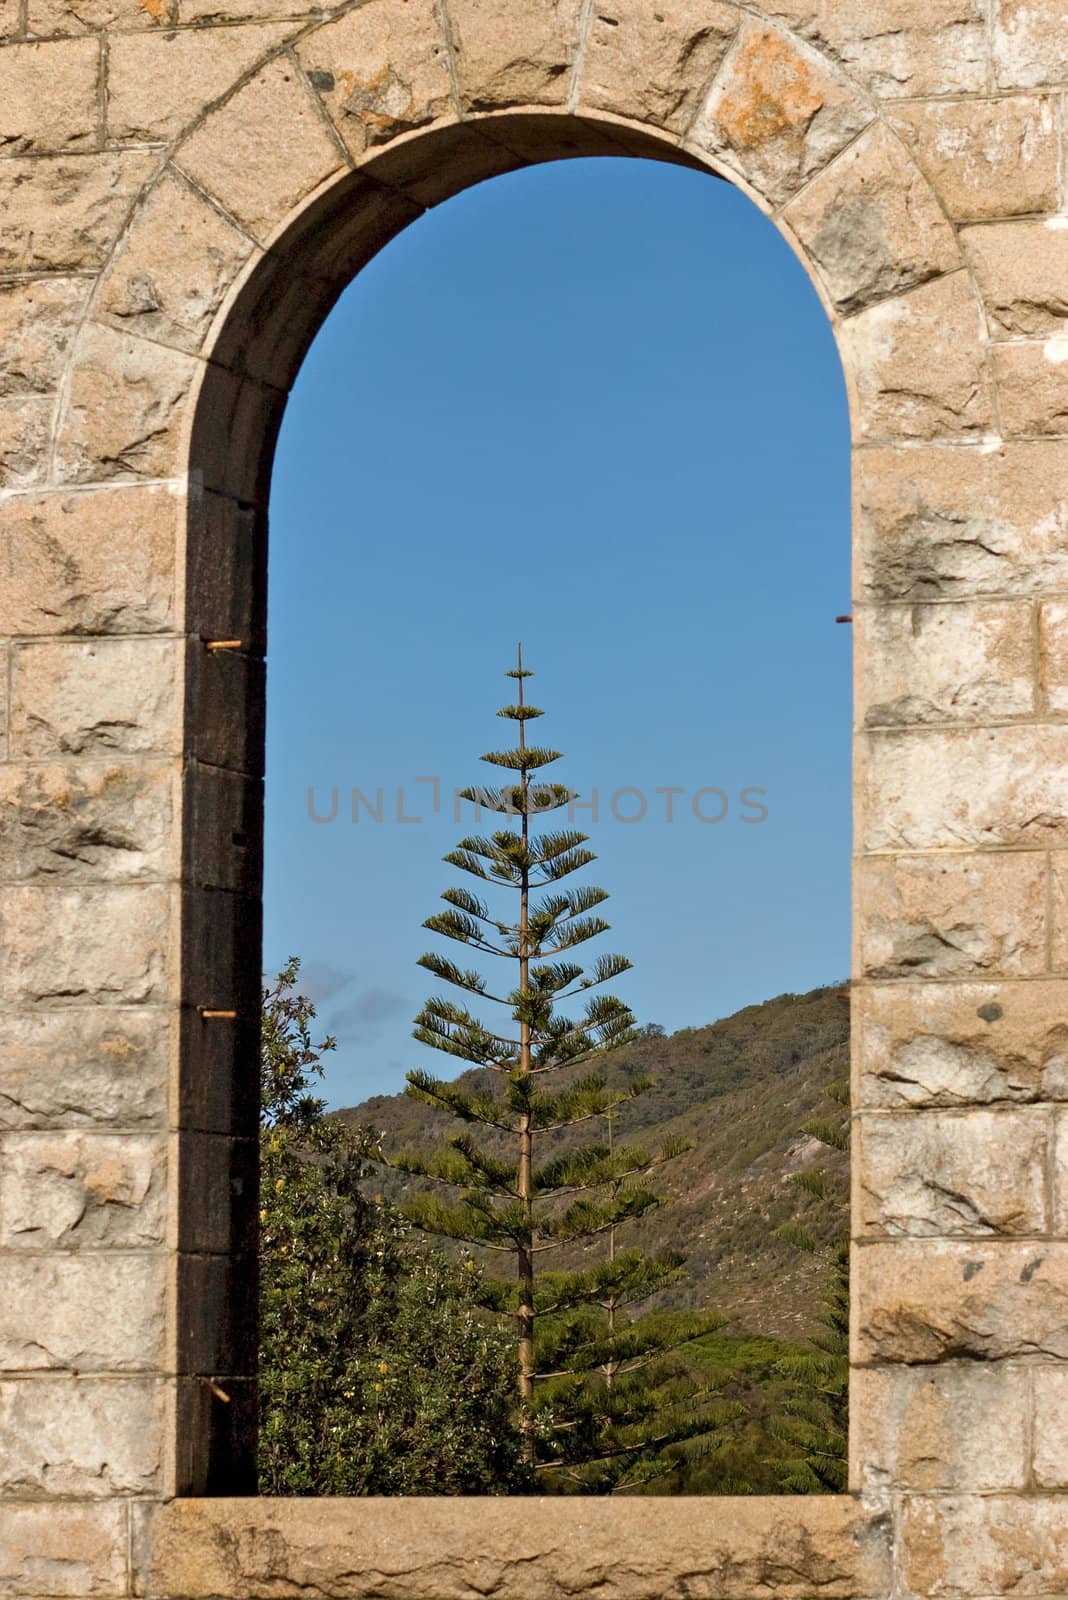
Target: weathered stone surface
x,y
986,158
115,820
945,663
1030,43
919,364
654,64
49,96
927,1044
941,1299
173,269
89,1437
1053,653
960,1426
1032,384
414,1550
86,946
78,1069
89,563
124,411
991,1545
50,17
99,696
158,82
1022,272
909,47
1060,1174
506,56
73,1191
871,224
63,213
1050,1459
235,155
25,431
380,71
1058,891
778,114
37,321
942,789
940,524
63,1552
934,1173
100,1311
951,916
248,10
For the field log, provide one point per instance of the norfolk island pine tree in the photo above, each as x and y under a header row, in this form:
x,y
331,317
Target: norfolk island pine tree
x,y
600,1407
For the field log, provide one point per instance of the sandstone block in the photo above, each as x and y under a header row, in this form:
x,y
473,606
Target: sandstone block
x,y
1022,272
945,523
63,213
986,158
959,1426
941,789
1050,1459
93,1312
1030,43
63,1552
928,1174
1053,652
174,268
380,71
944,663
87,946
246,10
10,19
159,82
990,1545
89,563
917,1301
97,697
73,1191
1032,383
924,1044
777,114
235,1550
919,365
1060,1175
116,820
125,408
908,48
85,1437
49,17
37,322
1058,890
49,96
234,154
506,57
25,432
871,224
951,916
84,1069
654,64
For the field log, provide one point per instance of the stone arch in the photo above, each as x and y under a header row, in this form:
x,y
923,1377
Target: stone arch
x,y
204,187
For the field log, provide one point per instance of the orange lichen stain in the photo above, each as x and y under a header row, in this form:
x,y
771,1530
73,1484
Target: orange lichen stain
x,y
157,9
379,101
773,94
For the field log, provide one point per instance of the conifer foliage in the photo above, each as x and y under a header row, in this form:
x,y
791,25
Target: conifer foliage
x,y
602,1410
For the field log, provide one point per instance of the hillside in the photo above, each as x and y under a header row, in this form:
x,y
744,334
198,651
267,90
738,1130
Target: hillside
x,y
739,1088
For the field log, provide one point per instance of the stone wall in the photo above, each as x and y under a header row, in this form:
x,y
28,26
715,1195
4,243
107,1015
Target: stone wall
x,y
186,186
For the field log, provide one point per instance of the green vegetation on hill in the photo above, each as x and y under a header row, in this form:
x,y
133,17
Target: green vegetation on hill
x,y
740,1089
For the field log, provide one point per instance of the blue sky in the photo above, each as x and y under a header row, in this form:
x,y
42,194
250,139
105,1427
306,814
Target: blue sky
x,y
595,406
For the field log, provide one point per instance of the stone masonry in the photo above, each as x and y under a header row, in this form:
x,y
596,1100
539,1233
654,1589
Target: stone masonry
x,y
185,188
